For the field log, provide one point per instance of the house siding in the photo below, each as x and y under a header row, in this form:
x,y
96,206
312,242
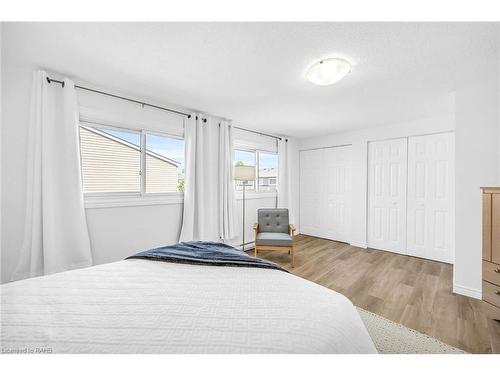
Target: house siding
x,y
161,177
111,166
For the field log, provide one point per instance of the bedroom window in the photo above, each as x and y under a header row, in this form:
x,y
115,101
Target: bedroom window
x,y
266,172
121,162
111,160
164,164
248,158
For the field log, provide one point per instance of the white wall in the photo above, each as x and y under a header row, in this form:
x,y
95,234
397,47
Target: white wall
x,y
253,203
477,164
1,26
477,160
359,140
118,232
295,182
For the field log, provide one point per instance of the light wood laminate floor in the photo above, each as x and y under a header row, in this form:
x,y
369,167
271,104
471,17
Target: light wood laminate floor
x,y
411,291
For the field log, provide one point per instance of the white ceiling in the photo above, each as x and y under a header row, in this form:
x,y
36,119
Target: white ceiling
x,y
253,73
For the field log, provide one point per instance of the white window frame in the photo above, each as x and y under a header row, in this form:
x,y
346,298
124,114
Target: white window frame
x,y
145,132
257,174
140,198
246,149
256,190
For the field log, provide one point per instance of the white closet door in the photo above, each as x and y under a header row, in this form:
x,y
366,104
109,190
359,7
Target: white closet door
x,y
325,193
312,187
431,197
337,162
387,178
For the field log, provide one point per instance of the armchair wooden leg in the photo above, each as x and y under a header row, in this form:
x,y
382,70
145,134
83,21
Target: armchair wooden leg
x,y
255,251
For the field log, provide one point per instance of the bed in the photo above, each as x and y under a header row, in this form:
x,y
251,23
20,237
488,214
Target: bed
x,y
146,306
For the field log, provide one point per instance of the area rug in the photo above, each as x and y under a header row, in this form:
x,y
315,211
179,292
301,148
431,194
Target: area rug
x,y
393,338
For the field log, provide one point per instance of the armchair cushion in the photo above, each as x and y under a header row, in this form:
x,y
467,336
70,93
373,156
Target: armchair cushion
x,y
273,220
273,239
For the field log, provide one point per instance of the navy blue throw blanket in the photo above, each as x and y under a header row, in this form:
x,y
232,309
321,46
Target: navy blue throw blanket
x,y
205,253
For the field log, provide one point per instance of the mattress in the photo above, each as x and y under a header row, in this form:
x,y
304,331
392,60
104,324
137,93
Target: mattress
x,y
143,306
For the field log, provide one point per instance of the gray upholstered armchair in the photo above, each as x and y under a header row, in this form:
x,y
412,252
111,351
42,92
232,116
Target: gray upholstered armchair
x,y
273,231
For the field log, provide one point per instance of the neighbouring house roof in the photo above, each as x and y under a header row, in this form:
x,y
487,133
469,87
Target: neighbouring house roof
x,y
131,145
268,172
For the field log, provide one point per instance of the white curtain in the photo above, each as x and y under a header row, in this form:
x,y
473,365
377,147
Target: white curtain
x,y
228,224
285,174
199,221
56,237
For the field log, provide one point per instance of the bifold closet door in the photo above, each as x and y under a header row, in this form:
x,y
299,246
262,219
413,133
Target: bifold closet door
x,y
387,175
325,193
337,220
430,229
312,187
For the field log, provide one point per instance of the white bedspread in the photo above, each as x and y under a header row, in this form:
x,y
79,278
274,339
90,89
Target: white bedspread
x,y
141,306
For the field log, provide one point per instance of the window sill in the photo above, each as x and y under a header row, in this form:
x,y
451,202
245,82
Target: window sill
x,y
150,200
256,195
127,201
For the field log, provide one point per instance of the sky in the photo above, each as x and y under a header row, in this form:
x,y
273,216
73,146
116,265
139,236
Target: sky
x,y
268,160
248,158
171,148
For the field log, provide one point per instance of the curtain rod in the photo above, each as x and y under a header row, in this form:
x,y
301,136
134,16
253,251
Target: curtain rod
x,y
49,80
255,132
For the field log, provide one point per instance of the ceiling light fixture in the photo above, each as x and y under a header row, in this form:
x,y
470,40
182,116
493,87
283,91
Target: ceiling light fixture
x,y
328,71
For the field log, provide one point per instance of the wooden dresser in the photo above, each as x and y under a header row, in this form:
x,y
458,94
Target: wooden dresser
x,y
491,251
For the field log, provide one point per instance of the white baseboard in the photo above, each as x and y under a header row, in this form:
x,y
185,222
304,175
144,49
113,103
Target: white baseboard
x,y
359,244
469,292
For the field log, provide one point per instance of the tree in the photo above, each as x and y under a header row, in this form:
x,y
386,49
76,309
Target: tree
x,y
180,184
